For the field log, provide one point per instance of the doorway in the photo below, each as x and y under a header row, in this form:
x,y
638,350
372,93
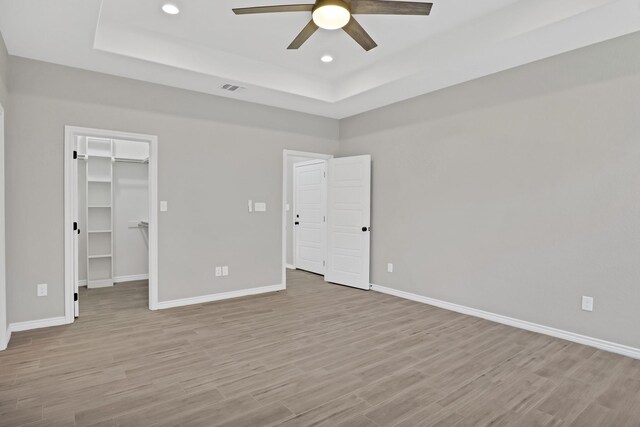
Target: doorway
x,y
326,217
110,212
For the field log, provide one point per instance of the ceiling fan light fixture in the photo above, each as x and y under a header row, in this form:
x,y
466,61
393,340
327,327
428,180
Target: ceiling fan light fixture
x,y
331,14
326,58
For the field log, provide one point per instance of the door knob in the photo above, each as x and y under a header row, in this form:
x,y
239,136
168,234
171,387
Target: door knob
x,y
366,228
296,223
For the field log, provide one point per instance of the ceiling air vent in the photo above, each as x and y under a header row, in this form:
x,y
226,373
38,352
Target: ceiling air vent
x,y
231,88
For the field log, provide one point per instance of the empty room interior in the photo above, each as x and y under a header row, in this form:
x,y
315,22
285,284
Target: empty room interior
x,y
354,213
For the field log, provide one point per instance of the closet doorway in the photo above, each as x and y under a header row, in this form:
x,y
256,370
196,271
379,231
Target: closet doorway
x,y
111,240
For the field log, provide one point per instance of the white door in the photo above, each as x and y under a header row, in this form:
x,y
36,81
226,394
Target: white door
x,y
348,221
76,228
309,216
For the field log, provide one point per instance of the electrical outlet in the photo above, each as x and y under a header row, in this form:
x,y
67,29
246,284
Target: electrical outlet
x,y
225,270
42,290
164,206
587,303
218,271
389,268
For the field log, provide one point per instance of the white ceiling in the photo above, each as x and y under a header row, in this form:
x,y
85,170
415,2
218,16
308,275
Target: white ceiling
x,y
206,45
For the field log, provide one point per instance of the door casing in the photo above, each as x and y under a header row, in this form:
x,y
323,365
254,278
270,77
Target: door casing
x,y
70,194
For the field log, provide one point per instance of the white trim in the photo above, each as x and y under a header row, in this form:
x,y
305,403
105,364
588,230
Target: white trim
x,y
152,140
5,334
4,343
131,278
69,254
517,323
153,223
37,324
121,279
291,267
285,173
220,296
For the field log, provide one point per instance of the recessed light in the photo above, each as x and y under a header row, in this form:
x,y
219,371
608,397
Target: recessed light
x,y
326,58
170,9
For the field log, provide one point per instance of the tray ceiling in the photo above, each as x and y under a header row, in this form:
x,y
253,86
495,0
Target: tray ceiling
x,y
206,45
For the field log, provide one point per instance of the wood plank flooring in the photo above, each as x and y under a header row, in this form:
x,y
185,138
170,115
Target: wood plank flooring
x,y
316,354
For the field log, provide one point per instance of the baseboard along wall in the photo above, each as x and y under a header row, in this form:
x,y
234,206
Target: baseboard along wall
x,y
220,296
121,279
510,321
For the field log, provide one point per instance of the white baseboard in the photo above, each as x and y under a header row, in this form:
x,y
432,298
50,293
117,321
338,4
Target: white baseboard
x,y
220,296
522,324
130,278
37,324
291,266
4,342
121,279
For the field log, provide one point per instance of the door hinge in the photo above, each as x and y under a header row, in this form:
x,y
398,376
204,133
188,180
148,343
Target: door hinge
x,y
324,219
75,154
323,263
75,296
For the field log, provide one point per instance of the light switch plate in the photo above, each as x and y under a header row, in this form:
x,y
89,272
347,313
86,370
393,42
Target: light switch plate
x,y
225,270
389,268
260,207
218,271
250,205
587,303
42,289
164,206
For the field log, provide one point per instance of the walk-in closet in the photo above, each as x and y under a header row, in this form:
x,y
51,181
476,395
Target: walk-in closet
x,y
113,207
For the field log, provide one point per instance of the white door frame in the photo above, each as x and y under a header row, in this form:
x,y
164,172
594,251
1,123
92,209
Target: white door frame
x,y
324,197
4,325
285,175
70,184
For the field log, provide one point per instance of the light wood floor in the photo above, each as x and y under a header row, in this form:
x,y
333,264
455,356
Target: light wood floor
x,y
316,354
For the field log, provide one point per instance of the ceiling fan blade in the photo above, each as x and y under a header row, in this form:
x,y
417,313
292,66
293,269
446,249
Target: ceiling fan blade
x,y
384,7
272,9
306,32
355,30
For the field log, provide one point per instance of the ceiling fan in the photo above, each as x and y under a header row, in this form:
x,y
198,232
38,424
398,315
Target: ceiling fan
x,y
335,14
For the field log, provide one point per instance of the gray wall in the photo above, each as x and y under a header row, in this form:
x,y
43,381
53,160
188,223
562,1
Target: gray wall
x,y
214,154
4,73
517,193
130,203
